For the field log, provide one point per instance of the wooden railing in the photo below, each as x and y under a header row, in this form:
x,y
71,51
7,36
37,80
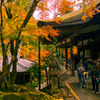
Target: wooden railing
x,y
60,76
73,94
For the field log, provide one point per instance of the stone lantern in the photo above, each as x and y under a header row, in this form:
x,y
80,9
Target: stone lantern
x,y
54,73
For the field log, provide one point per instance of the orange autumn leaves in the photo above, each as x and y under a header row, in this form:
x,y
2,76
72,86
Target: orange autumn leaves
x,y
89,9
11,28
48,30
66,5
47,8
41,31
32,54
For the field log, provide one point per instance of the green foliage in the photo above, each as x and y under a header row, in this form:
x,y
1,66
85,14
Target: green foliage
x,y
33,84
34,74
25,4
34,70
54,55
1,97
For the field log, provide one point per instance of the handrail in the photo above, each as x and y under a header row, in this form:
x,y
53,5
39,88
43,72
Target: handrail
x,y
60,75
73,93
63,72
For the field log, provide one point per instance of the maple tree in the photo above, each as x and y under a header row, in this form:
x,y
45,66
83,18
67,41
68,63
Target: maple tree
x,y
18,28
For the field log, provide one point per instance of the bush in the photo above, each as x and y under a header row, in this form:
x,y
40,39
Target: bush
x,y
33,84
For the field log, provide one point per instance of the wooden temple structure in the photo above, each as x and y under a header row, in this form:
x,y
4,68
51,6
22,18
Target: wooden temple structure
x,y
85,35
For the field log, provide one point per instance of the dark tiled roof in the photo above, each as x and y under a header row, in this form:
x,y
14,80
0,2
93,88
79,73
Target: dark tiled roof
x,y
72,18
22,65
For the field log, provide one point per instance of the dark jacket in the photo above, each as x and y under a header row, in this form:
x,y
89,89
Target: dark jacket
x,y
85,65
94,73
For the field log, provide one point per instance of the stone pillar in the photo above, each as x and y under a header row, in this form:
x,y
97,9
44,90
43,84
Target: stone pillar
x,y
54,80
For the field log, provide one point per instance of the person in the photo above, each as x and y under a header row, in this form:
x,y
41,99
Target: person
x,y
93,63
85,64
77,60
81,70
95,79
69,63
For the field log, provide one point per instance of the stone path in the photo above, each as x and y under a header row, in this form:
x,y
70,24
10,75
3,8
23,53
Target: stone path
x,y
83,94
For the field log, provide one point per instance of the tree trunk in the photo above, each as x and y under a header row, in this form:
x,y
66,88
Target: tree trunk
x,y
15,50
14,72
3,51
14,62
3,82
6,79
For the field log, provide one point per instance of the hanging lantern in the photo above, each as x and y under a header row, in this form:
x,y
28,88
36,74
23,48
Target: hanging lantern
x,y
75,50
69,53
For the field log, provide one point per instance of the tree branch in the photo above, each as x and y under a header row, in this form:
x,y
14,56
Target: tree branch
x,y
11,62
7,46
32,9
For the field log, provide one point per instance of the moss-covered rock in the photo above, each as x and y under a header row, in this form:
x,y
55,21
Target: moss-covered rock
x,y
26,96
12,97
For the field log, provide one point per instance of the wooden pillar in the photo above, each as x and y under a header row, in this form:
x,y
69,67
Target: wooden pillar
x,y
39,63
72,59
83,52
46,76
92,50
49,74
59,50
66,57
